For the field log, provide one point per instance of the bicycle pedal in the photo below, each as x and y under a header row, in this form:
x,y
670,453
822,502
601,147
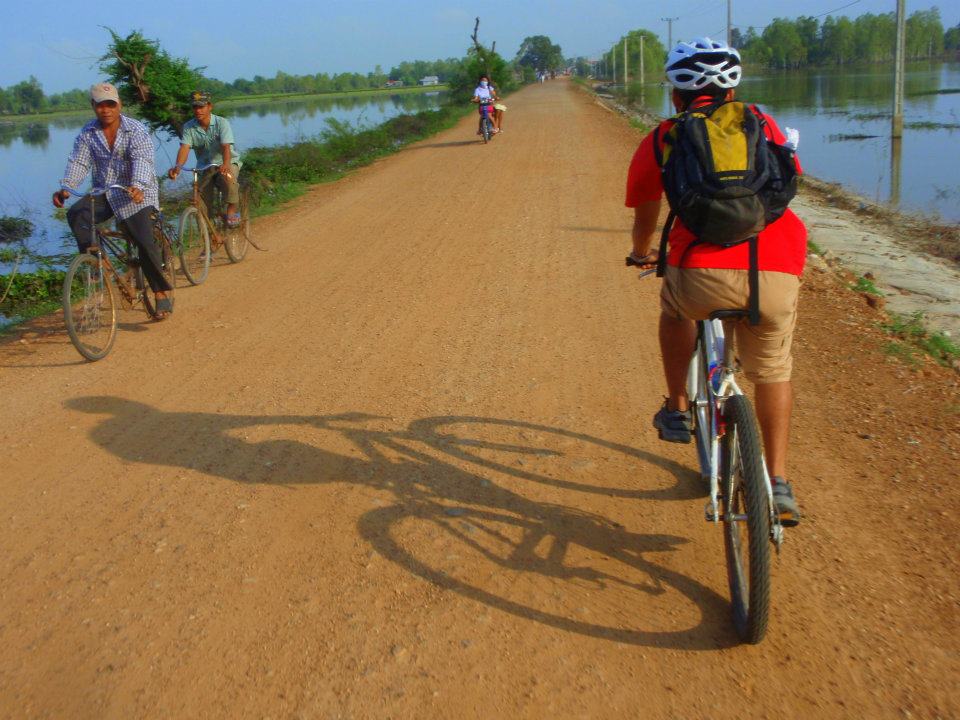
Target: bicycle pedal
x,y
711,513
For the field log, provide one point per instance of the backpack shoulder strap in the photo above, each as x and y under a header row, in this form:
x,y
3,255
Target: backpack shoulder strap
x,y
664,236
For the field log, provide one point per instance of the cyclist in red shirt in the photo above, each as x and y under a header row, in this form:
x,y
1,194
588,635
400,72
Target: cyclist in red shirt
x,y
713,277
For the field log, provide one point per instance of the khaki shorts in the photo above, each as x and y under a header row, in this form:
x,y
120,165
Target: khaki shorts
x,y
764,349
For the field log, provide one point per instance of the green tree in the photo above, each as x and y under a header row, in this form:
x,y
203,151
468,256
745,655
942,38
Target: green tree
x,y
951,39
148,77
540,53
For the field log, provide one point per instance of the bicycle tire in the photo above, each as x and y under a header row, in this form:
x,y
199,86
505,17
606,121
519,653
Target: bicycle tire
x,y
89,305
698,393
237,241
745,508
168,271
193,246
485,129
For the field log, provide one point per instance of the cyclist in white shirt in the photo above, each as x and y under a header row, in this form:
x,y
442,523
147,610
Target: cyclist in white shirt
x,y
485,96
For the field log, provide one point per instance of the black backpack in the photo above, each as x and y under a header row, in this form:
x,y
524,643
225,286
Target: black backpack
x,y
724,180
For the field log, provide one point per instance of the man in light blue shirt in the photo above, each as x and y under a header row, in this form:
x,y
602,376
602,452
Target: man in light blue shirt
x,y
211,138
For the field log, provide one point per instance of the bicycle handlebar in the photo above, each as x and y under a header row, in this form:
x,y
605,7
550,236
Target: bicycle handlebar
x,y
93,190
201,168
643,273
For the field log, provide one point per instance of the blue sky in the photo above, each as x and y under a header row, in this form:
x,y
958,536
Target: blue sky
x,y
59,42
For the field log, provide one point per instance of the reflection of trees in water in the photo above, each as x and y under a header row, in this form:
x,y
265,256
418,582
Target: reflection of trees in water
x,y
301,109
33,134
841,88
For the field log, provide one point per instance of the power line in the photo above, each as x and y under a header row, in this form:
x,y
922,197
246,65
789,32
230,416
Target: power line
x,y
812,17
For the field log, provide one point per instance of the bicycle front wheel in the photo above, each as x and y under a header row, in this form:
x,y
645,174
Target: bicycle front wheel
x,y
238,239
89,307
487,132
194,246
746,520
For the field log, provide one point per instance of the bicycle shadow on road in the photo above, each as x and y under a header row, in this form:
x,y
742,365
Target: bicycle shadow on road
x,y
459,486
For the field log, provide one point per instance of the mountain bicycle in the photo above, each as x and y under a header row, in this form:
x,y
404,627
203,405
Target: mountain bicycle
x,y
111,264
202,231
730,456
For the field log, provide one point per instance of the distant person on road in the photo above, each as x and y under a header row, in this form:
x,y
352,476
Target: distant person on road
x,y
211,138
702,277
498,109
485,96
118,151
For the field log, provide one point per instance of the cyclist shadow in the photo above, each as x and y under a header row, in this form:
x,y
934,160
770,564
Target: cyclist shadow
x,y
443,473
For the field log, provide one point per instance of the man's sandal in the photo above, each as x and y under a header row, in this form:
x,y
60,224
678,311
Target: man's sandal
x,y
164,308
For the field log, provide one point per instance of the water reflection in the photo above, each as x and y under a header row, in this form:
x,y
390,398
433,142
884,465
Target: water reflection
x,y
844,115
31,133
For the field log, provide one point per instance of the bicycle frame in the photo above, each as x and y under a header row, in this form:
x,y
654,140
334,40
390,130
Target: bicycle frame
x,y
100,239
201,206
715,355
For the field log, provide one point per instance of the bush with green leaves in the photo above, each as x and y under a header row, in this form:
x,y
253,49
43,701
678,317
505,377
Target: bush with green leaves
x,y
150,78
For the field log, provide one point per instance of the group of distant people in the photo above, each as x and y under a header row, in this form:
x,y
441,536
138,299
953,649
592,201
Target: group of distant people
x,y
118,151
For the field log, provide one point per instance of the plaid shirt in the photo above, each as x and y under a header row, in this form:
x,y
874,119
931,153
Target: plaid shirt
x,y
129,163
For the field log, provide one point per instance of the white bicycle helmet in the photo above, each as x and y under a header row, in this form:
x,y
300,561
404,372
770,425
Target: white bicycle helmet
x,y
694,65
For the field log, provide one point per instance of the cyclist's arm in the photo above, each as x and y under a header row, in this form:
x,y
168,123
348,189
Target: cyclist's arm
x,y
225,150
226,145
645,217
182,154
142,172
78,165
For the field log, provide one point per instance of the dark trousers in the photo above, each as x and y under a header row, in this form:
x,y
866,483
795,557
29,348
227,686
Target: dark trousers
x,y
139,226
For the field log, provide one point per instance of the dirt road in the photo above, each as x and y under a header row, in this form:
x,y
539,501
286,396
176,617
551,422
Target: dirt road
x,y
401,465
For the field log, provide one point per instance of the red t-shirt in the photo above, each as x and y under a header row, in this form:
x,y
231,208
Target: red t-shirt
x,y
782,244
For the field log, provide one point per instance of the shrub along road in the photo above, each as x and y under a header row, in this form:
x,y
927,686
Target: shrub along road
x,y
402,465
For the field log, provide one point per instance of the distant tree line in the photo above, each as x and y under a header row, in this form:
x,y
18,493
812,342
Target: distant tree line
x,y
28,97
786,43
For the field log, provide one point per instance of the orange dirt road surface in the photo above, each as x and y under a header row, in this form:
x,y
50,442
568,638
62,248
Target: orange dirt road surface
x,y
401,465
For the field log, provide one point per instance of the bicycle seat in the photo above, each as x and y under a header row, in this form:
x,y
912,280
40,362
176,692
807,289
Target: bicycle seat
x,y
735,314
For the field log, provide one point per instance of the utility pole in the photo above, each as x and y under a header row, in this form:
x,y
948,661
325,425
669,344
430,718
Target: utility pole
x,y
626,64
641,61
729,23
896,129
669,22
613,62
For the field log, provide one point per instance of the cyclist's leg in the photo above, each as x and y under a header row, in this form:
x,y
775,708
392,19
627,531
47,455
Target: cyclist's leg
x,y
765,354
140,227
80,221
207,184
230,187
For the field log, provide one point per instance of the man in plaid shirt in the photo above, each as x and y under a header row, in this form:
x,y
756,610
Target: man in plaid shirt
x,y
118,150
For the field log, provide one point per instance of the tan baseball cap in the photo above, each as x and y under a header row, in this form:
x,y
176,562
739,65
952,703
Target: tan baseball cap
x,y
104,91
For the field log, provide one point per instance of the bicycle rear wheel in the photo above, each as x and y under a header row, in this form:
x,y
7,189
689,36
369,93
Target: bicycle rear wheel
x,y
746,520
194,246
238,239
149,296
89,307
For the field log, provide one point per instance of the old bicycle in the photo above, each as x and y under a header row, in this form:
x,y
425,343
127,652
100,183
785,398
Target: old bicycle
x,y
109,266
202,231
